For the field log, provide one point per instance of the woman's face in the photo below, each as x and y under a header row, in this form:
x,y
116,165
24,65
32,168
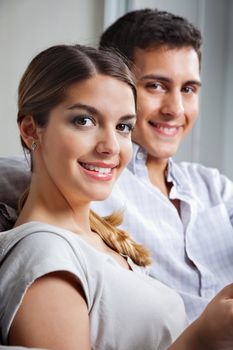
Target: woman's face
x,y
87,141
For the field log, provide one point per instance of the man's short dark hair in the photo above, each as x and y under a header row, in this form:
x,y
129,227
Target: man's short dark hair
x,y
150,28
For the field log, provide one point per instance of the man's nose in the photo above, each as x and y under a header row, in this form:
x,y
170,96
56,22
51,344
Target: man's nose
x,y
173,105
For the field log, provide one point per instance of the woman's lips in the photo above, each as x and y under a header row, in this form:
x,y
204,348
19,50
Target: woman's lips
x,y
99,171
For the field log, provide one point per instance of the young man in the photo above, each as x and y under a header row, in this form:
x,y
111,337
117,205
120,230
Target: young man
x,y
182,212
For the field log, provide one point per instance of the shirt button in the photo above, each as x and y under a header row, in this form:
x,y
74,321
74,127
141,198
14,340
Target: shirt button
x,y
140,155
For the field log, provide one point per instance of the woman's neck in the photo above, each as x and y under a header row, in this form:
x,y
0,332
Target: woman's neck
x,y
50,206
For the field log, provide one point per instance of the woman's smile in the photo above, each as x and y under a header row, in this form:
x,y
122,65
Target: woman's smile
x,y
99,170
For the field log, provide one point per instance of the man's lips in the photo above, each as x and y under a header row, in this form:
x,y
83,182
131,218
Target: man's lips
x,y
165,129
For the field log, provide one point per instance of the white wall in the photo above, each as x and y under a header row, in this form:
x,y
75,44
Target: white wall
x,y
27,27
217,101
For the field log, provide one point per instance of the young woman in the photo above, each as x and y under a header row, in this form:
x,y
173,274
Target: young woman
x,y
70,279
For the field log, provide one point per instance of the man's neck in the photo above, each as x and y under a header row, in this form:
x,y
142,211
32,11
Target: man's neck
x,y
157,174
157,171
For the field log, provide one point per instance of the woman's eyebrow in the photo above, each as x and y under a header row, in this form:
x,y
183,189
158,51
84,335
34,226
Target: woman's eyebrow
x,y
128,117
88,108
94,111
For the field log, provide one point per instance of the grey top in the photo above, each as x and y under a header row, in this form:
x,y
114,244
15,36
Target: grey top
x,y
127,309
7,347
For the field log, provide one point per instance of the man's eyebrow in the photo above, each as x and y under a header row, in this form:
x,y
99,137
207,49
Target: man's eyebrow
x,y
164,79
88,108
155,77
193,82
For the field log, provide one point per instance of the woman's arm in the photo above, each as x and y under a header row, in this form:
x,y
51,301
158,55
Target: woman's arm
x,y
53,315
213,330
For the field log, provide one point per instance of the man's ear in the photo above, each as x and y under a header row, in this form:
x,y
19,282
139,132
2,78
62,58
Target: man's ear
x,y
28,131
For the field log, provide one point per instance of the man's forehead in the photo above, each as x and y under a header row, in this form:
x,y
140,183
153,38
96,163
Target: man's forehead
x,y
160,49
165,63
164,59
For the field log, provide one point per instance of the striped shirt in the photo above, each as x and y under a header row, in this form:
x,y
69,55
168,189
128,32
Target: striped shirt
x,y
193,251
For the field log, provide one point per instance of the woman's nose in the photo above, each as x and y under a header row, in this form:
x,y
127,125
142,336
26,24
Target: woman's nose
x,y
108,143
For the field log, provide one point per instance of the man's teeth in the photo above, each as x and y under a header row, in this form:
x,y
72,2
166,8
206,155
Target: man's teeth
x,y
97,169
166,129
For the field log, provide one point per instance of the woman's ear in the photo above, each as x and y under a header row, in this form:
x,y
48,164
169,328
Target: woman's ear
x,y
28,131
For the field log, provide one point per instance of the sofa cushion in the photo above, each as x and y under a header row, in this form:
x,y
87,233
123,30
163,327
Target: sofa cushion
x,y
14,179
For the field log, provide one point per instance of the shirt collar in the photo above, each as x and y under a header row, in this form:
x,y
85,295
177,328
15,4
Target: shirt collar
x,y
138,159
137,166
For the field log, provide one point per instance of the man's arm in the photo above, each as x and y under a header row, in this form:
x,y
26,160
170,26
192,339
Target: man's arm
x,y
213,330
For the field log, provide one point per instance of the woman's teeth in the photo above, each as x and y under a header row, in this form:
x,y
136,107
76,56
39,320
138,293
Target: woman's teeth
x,y
96,168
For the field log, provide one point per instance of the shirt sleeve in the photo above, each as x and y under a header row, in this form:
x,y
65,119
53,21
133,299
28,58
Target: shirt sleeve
x,y
226,188
32,257
210,187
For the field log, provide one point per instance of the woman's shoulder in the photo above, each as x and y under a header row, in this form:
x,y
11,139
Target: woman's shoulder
x,y
38,248
48,246
33,235
34,249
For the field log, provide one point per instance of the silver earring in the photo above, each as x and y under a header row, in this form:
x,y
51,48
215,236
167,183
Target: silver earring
x,y
33,146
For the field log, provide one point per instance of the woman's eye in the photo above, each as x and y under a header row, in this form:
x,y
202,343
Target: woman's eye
x,y
125,128
83,120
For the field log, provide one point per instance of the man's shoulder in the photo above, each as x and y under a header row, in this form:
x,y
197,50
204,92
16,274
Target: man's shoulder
x,y
191,169
202,177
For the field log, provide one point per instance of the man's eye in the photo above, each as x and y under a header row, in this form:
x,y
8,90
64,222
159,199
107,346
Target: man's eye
x,y
83,120
125,128
155,86
188,89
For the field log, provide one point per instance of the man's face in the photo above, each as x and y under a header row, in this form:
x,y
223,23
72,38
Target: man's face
x,y
168,84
